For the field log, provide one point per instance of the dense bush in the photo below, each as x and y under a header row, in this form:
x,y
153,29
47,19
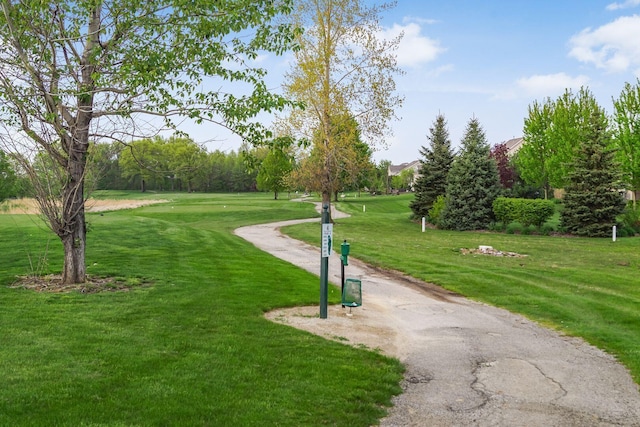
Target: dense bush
x,y
546,230
514,228
435,212
525,211
630,219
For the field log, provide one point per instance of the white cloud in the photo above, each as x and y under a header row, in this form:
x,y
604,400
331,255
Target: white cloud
x,y
613,47
418,20
623,5
414,48
550,85
443,69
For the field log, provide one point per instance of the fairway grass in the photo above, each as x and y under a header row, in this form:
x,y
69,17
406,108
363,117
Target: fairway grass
x,y
582,287
191,346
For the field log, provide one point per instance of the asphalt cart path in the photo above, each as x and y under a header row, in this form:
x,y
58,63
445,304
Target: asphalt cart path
x,y
467,363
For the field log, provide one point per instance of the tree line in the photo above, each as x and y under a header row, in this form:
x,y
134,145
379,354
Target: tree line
x,y
180,164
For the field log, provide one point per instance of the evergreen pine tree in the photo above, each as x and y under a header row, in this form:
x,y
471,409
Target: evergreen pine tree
x,y
592,198
472,185
434,168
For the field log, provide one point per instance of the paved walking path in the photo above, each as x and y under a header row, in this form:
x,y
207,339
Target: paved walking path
x,y
468,364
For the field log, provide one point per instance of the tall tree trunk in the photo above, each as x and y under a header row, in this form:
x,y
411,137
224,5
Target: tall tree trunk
x,y
73,233
74,268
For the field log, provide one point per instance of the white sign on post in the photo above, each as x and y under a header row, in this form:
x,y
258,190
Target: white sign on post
x,y
327,236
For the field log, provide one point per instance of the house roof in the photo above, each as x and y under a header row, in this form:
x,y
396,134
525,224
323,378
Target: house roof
x,y
513,145
397,169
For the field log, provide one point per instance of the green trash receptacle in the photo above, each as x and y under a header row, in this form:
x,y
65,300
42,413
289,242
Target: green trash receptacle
x,y
352,293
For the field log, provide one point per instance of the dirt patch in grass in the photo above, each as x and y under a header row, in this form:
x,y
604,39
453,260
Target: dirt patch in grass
x,y
53,283
30,206
363,327
488,250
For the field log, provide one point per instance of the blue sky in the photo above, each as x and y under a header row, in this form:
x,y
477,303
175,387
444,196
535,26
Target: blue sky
x,y
490,59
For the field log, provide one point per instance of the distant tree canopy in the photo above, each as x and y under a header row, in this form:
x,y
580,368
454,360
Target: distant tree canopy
x,y
170,164
178,162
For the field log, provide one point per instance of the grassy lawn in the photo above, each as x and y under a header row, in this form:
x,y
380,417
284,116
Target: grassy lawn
x,y
189,346
583,287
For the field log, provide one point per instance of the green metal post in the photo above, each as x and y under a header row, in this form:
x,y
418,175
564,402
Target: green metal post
x,y
344,254
324,270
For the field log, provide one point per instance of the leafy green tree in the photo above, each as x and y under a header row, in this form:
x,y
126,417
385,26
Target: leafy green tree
x,y
532,158
275,168
356,167
342,71
626,120
380,182
552,133
351,157
343,163
215,171
75,72
144,161
103,171
434,168
592,199
472,184
7,178
185,162
403,180
243,174
304,176
520,188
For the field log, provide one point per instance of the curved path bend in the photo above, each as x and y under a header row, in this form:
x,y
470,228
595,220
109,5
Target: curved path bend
x,y
467,363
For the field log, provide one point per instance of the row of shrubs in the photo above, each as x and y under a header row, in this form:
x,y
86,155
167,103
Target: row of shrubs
x,y
525,211
528,216
518,228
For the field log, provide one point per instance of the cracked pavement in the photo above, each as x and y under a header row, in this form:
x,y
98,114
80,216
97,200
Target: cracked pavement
x,y
467,363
